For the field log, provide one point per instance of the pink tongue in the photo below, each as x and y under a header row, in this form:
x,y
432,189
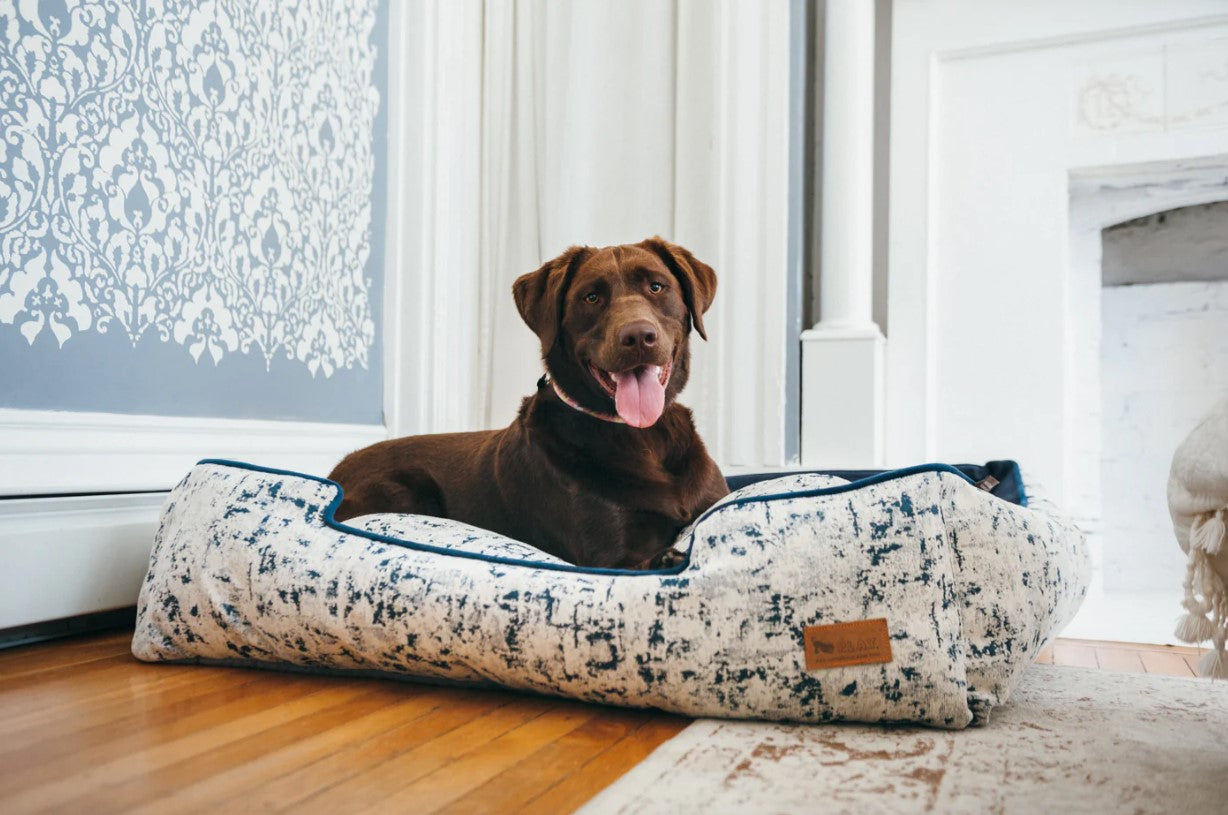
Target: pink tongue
x,y
640,397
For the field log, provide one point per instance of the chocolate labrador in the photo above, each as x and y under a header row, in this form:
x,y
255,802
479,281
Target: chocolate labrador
x,y
601,466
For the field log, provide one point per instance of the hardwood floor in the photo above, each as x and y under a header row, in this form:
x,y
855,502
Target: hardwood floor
x,y
86,728
1126,657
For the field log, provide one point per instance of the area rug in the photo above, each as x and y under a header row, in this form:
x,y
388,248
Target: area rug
x,y
1069,740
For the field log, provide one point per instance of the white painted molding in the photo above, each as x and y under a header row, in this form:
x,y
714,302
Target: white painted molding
x,y
842,398
401,409
842,356
846,271
51,452
1108,195
69,556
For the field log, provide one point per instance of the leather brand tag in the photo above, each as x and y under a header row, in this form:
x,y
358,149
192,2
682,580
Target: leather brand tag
x,y
988,483
860,642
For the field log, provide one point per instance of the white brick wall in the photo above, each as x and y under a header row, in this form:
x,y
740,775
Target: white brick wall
x,y
1164,355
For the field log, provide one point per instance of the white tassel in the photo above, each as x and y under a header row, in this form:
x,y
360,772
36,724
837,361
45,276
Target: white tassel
x,y
1206,598
1194,628
1197,607
1209,584
1213,664
1207,533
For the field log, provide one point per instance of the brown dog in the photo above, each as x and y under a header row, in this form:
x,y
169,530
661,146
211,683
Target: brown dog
x,y
601,466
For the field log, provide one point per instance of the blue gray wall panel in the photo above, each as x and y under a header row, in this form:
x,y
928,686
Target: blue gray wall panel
x,y
192,201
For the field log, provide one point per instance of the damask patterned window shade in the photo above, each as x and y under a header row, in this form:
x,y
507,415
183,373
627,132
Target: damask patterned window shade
x,y
192,198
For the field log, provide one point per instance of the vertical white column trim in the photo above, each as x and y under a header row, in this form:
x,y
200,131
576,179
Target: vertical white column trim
x,y
846,274
403,96
843,371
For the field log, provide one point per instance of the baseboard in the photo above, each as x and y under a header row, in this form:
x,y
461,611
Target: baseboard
x,y
115,619
65,557
56,453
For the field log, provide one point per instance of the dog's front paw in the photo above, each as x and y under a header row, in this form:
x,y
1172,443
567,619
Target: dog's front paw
x,y
667,559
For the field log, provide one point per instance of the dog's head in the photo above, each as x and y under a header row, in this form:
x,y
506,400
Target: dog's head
x,y
614,323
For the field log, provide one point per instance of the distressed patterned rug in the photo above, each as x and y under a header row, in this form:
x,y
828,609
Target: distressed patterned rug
x,y
1069,740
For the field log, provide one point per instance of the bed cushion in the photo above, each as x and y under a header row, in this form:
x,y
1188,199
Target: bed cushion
x,y
249,568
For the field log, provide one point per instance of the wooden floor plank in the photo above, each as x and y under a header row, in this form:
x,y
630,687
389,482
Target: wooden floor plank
x,y
199,782
603,769
74,675
70,731
1164,663
50,656
1074,656
1134,646
48,701
367,791
454,708
1123,660
444,785
90,789
48,786
538,772
63,702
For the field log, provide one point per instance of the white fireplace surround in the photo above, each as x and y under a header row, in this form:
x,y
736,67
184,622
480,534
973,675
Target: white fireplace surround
x,y
1012,147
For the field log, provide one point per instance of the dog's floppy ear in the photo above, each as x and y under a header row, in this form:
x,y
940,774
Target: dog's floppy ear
x,y
697,279
539,294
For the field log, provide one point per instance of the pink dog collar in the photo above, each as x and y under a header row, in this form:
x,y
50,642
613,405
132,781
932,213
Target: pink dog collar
x,y
572,403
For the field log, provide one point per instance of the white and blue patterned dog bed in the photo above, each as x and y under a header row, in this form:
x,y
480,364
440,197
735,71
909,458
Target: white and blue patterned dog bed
x,y
249,568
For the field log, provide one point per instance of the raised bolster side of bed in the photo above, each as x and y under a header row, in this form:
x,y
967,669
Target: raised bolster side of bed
x,y
808,558
1021,576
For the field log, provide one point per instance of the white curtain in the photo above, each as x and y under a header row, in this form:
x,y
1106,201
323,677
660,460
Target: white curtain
x,y
545,124
578,135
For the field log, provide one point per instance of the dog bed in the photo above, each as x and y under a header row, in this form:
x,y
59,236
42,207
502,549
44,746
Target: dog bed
x,y
905,596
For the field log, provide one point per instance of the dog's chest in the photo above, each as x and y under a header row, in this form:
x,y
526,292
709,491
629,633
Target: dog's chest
x,y
672,497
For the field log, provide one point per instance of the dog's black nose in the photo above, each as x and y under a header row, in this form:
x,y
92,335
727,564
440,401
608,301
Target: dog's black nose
x,y
640,332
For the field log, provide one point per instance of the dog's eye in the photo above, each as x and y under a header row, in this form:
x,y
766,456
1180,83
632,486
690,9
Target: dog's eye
x,y
655,287
591,297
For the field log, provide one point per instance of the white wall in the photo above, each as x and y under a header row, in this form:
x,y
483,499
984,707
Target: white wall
x,y
1164,358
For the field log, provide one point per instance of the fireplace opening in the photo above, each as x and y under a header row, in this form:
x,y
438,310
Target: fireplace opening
x,y
1163,364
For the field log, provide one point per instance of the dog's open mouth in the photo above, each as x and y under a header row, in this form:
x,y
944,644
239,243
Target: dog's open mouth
x,y
638,393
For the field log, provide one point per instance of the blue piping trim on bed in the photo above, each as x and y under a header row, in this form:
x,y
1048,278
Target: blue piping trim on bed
x,y
332,523
1023,488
